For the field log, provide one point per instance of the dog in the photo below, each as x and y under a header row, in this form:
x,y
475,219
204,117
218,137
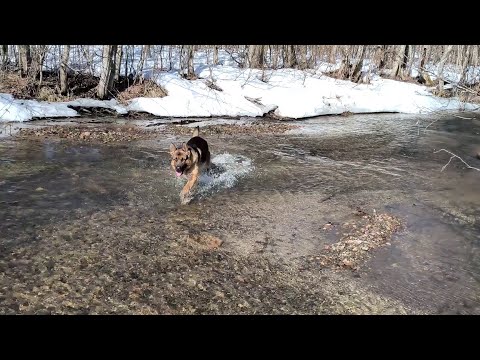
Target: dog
x,y
190,160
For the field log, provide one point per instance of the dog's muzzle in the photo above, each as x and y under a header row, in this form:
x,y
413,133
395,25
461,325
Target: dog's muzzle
x,y
179,170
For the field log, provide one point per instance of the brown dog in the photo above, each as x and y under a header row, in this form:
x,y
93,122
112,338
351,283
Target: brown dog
x,y
190,160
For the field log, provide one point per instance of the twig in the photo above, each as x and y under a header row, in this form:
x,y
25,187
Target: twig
x,y
454,156
434,121
462,117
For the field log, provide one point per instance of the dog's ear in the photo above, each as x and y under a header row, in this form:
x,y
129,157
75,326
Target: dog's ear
x,y
172,148
184,147
196,132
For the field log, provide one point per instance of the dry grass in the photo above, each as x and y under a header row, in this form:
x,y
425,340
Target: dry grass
x,y
146,89
80,86
14,84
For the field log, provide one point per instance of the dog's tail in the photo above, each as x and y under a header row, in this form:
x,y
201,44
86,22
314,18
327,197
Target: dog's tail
x,y
196,132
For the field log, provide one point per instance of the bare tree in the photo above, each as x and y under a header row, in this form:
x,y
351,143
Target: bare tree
x,y
118,62
255,56
359,64
113,66
108,71
64,69
332,57
215,55
143,56
440,67
38,60
344,70
4,56
382,56
305,59
411,59
291,56
464,66
423,76
190,68
24,59
277,53
400,63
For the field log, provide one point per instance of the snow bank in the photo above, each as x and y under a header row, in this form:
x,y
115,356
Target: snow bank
x,y
250,92
291,93
23,110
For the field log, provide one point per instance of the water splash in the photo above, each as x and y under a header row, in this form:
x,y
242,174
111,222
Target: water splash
x,y
227,169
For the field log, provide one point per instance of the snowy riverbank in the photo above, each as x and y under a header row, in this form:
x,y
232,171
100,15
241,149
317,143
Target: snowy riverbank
x,y
289,93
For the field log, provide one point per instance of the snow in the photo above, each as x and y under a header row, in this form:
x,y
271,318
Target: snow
x,y
194,98
287,93
23,110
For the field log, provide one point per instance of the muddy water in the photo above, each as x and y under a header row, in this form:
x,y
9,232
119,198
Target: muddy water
x,y
85,226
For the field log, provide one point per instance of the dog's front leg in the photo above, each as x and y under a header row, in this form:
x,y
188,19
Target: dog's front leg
x,y
185,195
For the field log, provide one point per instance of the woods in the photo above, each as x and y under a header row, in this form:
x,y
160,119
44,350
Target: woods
x,y
110,66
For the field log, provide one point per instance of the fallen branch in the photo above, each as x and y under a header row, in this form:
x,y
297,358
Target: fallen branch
x,y
452,157
463,117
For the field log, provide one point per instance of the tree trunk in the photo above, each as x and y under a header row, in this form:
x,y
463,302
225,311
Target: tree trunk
x,y
382,57
161,57
113,67
37,57
424,58
126,61
190,67
403,67
255,56
424,78
38,64
411,60
343,71
170,65
440,67
358,66
143,55
15,56
291,56
400,63
215,55
333,54
274,57
24,59
108,71
118,62
465,64
303,57
4,60
64,70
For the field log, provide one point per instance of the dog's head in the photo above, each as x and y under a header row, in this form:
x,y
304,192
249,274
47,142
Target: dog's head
x,y
182,159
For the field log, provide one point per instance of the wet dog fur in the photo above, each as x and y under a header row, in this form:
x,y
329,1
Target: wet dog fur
x,y
190,160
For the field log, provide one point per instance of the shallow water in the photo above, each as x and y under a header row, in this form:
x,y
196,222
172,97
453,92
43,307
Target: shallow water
x,y
273,197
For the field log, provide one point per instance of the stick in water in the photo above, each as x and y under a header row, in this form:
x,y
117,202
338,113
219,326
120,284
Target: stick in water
x,y
454,156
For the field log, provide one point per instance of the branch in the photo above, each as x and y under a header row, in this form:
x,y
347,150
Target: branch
x,y
454,156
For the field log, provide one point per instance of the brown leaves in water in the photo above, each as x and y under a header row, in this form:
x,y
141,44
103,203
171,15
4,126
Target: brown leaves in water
x,y
88,134
354,246
233,129
204,241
